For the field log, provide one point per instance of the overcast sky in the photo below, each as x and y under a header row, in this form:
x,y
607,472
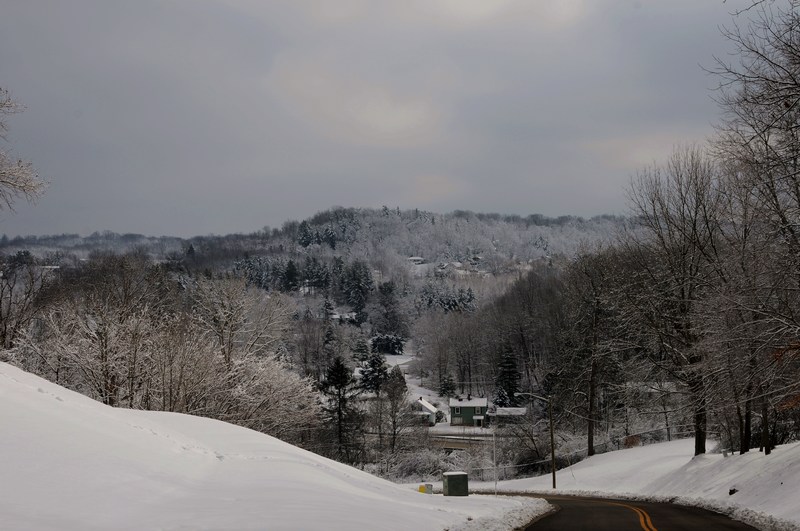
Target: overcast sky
x,y
187,117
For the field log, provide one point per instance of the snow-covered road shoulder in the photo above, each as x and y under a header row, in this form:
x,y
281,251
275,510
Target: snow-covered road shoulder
x,y
760,490
71,463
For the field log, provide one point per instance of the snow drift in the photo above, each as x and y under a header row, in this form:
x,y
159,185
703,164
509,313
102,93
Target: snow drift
x,y
766,487
72,463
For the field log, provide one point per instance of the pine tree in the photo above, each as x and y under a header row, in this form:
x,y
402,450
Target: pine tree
x,y
291,277
396,391
388,344
329,237
356,285
361,350
374,373
315,274
341,391
507,383
447,386
329,342
327,309
390,319
304,235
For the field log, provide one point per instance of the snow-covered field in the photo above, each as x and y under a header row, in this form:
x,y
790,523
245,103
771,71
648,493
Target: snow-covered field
x,y
69,462
768,487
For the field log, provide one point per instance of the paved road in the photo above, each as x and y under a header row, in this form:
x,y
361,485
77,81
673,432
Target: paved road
x,y
598,514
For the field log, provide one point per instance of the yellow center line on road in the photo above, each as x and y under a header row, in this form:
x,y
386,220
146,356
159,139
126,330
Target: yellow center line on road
x,y
644,518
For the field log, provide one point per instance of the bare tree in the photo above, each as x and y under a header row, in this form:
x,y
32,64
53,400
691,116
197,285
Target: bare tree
x,y
22,280
184,373
243,320
760,141
17,177
592,343
263,393
760,98
675,247
105,326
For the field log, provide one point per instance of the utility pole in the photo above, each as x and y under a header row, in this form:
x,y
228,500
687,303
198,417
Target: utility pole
x,y
494,456
552,440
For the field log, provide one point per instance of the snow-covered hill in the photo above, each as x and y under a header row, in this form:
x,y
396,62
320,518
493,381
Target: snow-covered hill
x,y
69,462
767,487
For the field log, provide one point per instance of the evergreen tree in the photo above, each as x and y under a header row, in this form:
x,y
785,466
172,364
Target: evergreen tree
x,y
389,319
439,295
388,344
329,237
396,382
290,279
396,391
341,391
507,383
327,309
356,286
329,342
447,386
304,235
374,373
315,274
361,350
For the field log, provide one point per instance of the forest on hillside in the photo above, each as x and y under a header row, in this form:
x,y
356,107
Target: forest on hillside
x,y
682,319
235,327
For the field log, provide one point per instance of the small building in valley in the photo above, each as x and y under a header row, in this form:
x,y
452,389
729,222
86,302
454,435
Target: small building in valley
x,y
426,410
468,412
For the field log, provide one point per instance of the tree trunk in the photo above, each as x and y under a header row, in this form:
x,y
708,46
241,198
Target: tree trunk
x,y
591,409
696,387
379,405
748,426
700,431
666,417
765,427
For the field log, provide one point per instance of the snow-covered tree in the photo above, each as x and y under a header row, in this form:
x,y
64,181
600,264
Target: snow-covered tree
x,y
396,391
263,393
374,373
17,177
356,285
244,321
22,280
507,382
447,386
343,415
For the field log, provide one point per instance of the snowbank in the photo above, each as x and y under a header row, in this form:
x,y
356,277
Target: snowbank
x,y
69,462
767,487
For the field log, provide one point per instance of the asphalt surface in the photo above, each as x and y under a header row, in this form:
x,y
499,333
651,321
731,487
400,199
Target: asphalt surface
x,y
600,514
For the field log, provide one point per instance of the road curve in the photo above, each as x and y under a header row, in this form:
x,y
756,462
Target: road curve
x,y
601,514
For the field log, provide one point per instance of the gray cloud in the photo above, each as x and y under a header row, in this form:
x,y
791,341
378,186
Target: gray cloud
x,y
192,117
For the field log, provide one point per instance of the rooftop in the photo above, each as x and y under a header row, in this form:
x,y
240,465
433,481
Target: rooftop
x,y
469,402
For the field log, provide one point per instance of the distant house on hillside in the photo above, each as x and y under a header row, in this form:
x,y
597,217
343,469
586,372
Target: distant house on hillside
x,y
416,260
344,317
468,412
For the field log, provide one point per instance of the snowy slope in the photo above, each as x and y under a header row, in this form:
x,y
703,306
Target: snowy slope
x,y
766,485
69,462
